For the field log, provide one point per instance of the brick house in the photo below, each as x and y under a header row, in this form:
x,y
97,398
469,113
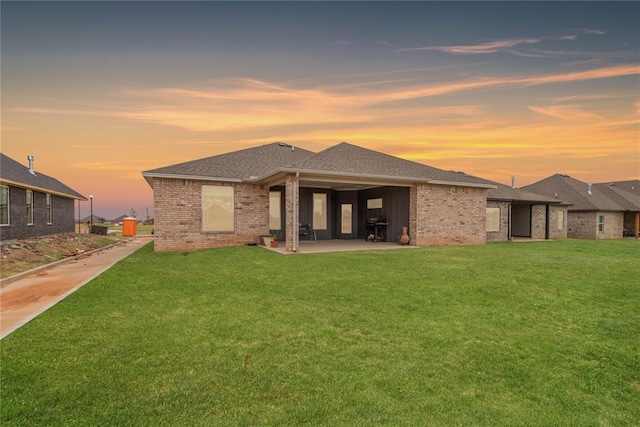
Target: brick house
x,y
32,203
596,211
514,212
343,192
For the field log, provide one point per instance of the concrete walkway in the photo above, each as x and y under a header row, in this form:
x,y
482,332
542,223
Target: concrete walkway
x,y
24,299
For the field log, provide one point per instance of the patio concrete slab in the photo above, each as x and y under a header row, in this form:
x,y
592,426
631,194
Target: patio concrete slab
x,y
321,246
24,299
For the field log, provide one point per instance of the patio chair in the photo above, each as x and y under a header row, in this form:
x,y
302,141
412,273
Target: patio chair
x,y
305,230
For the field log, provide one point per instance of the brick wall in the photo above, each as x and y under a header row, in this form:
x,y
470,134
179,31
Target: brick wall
x,y
448,215
502,234
538,221
556,232
178,215
584,225
62,210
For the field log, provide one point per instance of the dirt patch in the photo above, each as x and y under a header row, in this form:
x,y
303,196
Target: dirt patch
x,y
24,254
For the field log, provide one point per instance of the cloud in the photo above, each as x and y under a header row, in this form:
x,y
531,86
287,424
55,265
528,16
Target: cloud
x,y
484,48
568,37
597,32
567,112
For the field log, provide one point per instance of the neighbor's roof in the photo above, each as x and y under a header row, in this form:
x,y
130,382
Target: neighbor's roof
x,y
340,160
16,174
575,192
628,200
505,192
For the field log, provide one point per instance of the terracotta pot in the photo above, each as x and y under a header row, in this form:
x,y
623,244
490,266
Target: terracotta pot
x,y
274,243
404,239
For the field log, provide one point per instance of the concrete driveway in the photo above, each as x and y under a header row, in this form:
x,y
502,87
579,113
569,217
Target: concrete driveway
x,y
25,298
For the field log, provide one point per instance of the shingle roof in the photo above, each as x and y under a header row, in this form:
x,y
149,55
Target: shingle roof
x,y
575,192
237,165
628,200
505,192
13,172
343,160
348,159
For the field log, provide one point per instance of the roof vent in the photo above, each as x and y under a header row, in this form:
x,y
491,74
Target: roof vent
x,y
589,188
513,181
284,144
30,158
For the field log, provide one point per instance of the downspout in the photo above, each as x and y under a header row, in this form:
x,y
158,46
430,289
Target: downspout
x,y
294,227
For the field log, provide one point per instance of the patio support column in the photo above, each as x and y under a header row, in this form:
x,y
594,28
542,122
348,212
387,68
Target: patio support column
x,y
637,223
413,215
292,202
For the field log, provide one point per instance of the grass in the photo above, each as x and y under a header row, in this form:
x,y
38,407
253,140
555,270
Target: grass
x,y
503,334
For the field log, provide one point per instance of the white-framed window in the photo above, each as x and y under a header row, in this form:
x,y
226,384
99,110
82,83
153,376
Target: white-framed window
x,y
319,211
217,208
560,220
275,219
600,222
4,205
29,207
49,210
493,219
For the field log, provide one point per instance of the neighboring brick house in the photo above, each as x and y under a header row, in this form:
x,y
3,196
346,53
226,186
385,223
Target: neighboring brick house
x,y
513,212
234,198
597,211
32,203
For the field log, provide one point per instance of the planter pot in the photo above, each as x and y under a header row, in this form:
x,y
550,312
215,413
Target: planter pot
x,y
274,243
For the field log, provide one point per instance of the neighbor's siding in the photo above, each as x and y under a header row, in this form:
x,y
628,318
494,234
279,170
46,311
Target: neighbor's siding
x,y
448,215
62,210
584,225
178,215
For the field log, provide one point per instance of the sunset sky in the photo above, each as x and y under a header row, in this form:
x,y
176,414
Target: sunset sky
x,y
100,91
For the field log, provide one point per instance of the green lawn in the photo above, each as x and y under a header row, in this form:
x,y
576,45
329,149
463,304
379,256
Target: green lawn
x,y
533,334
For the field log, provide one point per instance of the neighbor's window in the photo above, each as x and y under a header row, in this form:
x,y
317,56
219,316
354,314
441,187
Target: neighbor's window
x,y
319,211
49,210
217,208
493,219
600,222
4,205
29,207
275,219
560,220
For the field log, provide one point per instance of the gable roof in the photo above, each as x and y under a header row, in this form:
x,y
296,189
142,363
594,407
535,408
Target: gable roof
x,y
344,160
247,164
16,174
575,192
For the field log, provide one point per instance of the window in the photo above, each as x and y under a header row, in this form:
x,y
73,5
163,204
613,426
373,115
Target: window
x,y
29,207
217,208
493,219
275,219
49,210
600,222
319,211
4,205
374,204
560,220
